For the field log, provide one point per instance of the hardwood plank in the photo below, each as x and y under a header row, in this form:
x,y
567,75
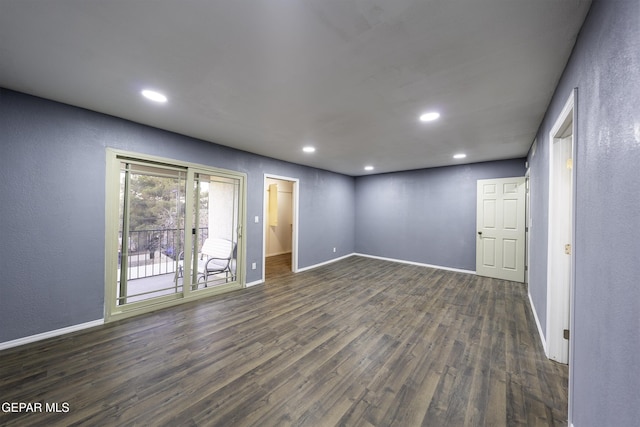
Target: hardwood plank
x,y
277,266
360,342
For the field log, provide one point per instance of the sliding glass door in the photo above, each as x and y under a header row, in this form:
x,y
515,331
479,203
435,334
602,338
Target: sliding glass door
x,y
216,211
151,231
173,232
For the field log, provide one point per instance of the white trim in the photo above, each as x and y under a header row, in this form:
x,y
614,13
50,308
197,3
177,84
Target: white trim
x,y
572,285
533,148
257,282
527,225
538,325
278,253
295,207
564,115
555,295
325,262
50,334
400,261
439,267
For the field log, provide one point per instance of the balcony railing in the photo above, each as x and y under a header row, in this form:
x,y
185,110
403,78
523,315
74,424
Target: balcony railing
x,y
155,252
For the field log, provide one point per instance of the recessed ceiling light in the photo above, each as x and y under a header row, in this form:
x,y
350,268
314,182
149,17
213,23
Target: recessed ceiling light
x,y
429,117
154,96
459,156
309,149
368,168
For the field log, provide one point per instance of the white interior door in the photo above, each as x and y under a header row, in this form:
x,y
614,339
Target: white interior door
x,y
500,239
560,258
559,255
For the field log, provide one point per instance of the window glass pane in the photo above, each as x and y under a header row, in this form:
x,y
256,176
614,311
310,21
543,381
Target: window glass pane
x,y
154,267
151,234
216,212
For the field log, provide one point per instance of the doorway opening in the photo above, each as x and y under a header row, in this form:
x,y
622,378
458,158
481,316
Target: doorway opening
x,y
280,252
560,261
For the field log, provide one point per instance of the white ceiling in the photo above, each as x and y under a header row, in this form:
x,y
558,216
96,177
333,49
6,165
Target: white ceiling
x,y
349,77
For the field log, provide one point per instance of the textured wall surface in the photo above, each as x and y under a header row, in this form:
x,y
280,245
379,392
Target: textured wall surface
x,y
52,169
426,216
605,68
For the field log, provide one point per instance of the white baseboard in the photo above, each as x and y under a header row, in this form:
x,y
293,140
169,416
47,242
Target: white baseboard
x,y
50,334
254,283
311,267
439,267
278,253
535,316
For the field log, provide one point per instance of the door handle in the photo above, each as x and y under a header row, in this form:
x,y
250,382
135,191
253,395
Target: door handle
x,y
480,233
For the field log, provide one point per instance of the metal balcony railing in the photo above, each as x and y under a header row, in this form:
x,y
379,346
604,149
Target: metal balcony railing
x,y
154,252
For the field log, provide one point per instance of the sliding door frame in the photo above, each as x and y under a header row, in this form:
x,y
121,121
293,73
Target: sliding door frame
x,y
112,194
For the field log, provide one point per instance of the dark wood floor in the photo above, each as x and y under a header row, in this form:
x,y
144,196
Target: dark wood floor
x,y
359,342
277,266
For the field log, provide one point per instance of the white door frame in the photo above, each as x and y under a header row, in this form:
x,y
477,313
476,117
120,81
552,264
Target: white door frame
x,y
295,207
558,304
527,225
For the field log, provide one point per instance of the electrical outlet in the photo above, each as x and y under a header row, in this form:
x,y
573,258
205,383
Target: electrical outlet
x,y
334,249
256,219
253,266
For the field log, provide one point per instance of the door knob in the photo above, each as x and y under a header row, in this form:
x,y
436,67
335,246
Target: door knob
x,y
479,233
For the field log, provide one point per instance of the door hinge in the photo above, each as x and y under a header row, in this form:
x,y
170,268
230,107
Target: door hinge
x,y
565,334
567,249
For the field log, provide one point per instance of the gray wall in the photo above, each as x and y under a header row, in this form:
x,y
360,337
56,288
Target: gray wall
x,y
53,216
52,210
605,67
426,216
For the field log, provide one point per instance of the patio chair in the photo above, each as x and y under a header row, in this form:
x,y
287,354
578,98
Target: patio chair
x,y
215,257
